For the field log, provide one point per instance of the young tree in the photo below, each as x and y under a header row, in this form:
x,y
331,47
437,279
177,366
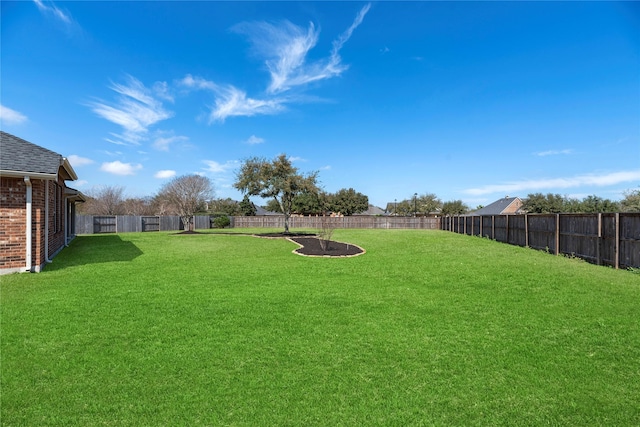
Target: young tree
x,y
349,202
186,194
277,179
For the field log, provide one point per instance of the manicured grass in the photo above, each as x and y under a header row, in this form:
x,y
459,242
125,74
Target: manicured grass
x,y
426,328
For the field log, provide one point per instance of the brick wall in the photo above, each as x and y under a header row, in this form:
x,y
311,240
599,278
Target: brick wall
x,y
13,242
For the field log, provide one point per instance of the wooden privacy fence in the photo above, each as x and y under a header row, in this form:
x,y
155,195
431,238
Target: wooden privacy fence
x,y
89,224
604,239
316,222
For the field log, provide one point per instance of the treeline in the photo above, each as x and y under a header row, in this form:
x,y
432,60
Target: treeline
x,y
110,200
556,203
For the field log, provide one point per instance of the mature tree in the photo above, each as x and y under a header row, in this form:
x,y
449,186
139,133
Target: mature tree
x,y
226,206
454,207
272,206
631,201
105,200
277,179
137,206
428,203
309,203
247,208
349,202
595,204
539,203
186,195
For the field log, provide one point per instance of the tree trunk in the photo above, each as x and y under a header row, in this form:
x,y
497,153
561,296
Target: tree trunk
x,y
286,222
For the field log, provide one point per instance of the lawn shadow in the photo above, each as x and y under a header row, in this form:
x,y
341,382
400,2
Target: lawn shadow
x,y
95,249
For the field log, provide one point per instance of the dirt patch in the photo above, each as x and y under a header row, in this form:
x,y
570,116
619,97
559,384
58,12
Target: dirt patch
x,y
188,232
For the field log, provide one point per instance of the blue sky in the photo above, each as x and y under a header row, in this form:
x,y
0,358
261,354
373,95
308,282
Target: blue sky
x,y
467,100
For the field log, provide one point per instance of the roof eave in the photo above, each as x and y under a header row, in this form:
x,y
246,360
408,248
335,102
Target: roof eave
x,y
22,174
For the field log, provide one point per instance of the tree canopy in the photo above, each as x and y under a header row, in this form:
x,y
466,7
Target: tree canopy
x,y
277,179
349,202
186,195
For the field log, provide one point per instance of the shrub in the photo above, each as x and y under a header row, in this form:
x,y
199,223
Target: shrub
x,y
221,221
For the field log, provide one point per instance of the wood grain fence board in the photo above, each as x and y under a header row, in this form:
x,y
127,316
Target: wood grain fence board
x,y
605,239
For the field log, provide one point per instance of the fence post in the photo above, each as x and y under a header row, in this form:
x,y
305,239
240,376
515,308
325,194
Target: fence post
x,y
557,234
617,243
526,230
493,227
599,242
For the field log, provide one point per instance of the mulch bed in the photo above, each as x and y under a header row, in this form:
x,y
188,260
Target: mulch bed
x,y
310,246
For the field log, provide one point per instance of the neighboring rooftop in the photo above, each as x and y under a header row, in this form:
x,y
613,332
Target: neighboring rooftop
x,y
506,205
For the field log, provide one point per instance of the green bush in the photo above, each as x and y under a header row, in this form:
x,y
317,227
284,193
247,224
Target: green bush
x,y
221,221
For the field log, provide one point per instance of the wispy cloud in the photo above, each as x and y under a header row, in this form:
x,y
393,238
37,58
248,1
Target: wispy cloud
x,y
162,143
49,8
296,159
164,174
231,101
558,183
11,117
215,167
285,47
77,161
135,110
119,168
253,140
553,152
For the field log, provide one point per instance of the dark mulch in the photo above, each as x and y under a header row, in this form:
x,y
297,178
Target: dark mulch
x,y
311,246
282,234
189,232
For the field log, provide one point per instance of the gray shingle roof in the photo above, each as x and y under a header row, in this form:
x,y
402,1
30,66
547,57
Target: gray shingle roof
x,y
18,155
495,208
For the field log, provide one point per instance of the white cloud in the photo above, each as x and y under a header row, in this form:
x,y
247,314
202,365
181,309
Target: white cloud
x,y
80,183
135,111
163,143
51,9
77,161
11,117
558,183
254,140
296,159
119,168
215,167
231,101
164,174
285,48
553,152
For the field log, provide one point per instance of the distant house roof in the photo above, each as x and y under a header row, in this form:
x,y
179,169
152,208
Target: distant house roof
x,y
260,211
506,205
373,210
19,157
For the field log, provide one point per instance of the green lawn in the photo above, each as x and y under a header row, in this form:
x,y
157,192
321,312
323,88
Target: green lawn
x,y
426,328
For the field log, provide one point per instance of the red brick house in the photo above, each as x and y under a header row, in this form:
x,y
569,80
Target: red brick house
x,y
37,209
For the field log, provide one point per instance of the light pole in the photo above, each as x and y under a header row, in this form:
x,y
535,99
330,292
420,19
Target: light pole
x,y
415,204
395,207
